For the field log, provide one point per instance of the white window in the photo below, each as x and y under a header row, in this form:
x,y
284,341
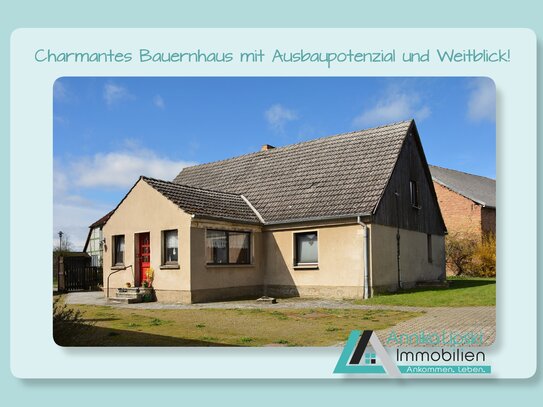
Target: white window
x,y
118,252
307,248
170,245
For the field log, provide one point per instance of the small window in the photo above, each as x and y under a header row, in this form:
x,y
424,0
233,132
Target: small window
x,y
118,253
170,246
228,247
429,247
306,245
414,194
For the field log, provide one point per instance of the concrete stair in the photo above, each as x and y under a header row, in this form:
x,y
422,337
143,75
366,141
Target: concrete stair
x,y
126,298
132,295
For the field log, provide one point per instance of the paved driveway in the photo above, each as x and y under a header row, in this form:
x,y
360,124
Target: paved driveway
x,y
469,326
458,322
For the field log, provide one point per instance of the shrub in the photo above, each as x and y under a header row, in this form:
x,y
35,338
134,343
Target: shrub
x,y
469,256
484,258
68,324
459,250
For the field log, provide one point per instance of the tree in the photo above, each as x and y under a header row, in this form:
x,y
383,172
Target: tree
x,y
64,246
60,249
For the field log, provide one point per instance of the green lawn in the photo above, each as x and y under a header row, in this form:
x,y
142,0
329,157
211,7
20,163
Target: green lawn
x,y
225,327
461,292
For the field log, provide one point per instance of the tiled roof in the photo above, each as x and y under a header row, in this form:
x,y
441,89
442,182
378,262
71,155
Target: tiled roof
x,y
340,175
204,202
479,189
102,221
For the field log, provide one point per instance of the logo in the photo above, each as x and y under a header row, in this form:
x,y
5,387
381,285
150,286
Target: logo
x,y
364,353
377,361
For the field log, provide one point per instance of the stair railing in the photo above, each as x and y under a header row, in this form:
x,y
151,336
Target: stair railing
x,y
116,271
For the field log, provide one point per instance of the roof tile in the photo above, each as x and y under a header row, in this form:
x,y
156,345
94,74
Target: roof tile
x,y
204,202
344,174
475,187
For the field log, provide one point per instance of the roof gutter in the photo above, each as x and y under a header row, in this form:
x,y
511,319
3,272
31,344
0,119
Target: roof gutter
x,y
318,218
210,217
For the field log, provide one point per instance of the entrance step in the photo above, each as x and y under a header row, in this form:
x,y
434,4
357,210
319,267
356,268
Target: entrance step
x,y
124,300
127,295
133,295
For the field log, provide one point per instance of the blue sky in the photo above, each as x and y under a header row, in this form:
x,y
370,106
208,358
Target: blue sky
x,y
109,131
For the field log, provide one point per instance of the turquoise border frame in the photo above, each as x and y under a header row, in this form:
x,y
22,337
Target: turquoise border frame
x,y
280,13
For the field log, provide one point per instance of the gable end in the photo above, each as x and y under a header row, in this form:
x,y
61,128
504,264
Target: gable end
x,y
395,207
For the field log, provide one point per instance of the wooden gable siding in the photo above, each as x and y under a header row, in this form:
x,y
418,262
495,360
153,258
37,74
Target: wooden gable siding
x,y
397,211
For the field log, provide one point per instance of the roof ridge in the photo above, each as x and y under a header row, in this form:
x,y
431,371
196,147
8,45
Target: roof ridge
x,y
318,139
176,184
462,172
250,205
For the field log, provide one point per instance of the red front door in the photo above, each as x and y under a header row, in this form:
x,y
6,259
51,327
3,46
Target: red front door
x,y
144,256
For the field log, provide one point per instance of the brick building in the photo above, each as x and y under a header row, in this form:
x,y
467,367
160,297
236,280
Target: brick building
x,y
467,201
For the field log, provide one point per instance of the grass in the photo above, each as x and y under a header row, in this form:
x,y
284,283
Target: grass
x,y
229,327
461,292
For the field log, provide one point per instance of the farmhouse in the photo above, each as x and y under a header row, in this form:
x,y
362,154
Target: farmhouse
x,y
343,216
467,202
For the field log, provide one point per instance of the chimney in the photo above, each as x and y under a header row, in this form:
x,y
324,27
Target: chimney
x,y
266,147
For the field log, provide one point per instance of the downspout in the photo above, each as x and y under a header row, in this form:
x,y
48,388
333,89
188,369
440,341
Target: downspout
x,y
366,251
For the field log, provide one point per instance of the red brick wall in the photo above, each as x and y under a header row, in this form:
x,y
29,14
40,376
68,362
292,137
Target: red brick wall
x,y
461,215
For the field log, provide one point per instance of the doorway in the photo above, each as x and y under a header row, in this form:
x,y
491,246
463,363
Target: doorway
x,y
143,257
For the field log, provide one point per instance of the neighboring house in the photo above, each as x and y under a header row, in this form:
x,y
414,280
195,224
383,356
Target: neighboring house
x,y
94,243
340,217
467,201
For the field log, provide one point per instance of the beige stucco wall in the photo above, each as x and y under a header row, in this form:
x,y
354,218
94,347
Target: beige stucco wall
x,y
215,282
414,264
340,268
339,274
146,210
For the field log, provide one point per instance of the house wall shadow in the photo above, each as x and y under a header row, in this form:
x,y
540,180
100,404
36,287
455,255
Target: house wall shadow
x,y
89,335
278,281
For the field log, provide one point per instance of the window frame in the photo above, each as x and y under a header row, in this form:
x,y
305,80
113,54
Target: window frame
x,y
114,259
414,194
296,263
227,233
164,248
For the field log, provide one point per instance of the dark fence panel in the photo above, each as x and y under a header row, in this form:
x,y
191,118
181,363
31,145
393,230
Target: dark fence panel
x,y
76,273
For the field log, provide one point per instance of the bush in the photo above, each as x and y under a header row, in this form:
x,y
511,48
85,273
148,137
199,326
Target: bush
x,y
484,258
459,250
68,324
468,256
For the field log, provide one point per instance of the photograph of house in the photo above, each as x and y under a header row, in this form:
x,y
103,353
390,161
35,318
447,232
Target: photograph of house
x,y
467,201
342,217
272,211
